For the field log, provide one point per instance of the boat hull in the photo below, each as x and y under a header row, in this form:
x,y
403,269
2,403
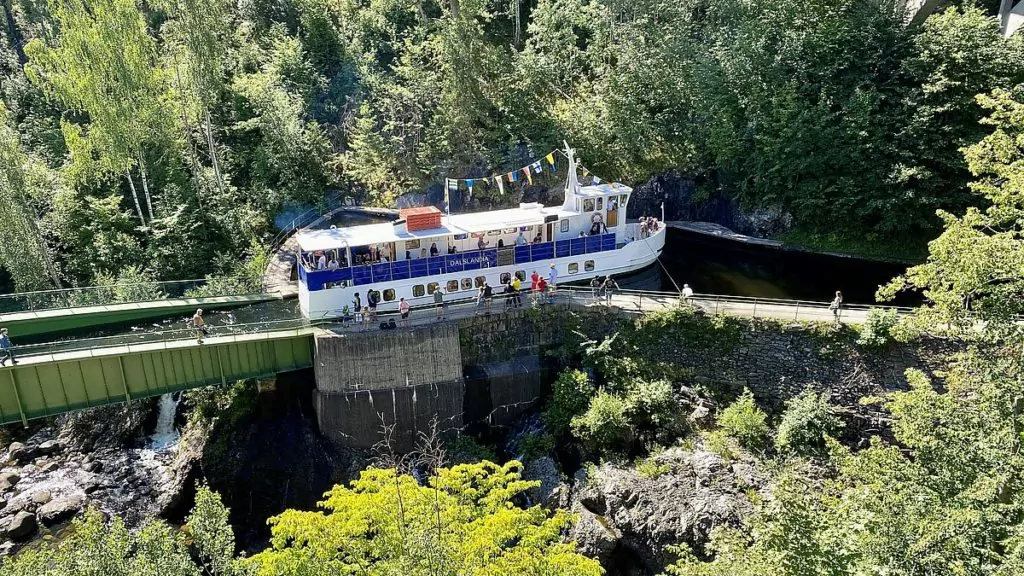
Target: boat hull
x,y
633,256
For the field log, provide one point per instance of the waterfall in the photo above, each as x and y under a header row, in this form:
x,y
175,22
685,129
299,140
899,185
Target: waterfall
x,y
165,435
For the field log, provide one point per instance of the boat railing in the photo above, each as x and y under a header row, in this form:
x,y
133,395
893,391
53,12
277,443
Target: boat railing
x,y
377,272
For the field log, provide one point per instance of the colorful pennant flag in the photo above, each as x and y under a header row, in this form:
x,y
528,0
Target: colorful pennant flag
x,y
596,180
501,187
585,172
526,170
513,176
450,185
551,161
469,184
536,167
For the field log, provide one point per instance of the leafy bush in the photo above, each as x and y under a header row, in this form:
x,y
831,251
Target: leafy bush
x,y
878,328
604,426
536,446
720,443
649,468
745,422
650,404
570,398
808,419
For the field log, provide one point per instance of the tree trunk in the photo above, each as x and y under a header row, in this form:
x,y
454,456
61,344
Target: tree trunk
x,y
13,34
135,196
213,152
454,8
145,187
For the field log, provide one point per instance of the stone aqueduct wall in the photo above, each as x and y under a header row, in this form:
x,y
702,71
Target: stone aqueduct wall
x,y
490,369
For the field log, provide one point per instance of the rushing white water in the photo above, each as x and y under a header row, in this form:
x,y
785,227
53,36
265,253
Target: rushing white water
x,y
166,435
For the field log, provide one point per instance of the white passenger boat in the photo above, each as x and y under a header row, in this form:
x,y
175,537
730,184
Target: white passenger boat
x,y
424,250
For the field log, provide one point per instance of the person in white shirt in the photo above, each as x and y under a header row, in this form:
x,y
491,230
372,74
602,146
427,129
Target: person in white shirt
x,y
321,262
333,264
552,279
687,294
520,240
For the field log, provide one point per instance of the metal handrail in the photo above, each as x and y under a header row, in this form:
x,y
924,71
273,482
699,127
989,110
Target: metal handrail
x,y
63,297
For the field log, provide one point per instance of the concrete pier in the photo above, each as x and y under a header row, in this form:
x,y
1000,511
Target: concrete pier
x,y
486,369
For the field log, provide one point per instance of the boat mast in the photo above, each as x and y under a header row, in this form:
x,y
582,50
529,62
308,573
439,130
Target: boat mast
x,y
572,185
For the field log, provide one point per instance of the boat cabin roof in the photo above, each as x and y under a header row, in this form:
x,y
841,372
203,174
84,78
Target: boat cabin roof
x,y
530,214
366,235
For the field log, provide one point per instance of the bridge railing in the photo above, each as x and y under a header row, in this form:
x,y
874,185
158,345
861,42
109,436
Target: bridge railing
x,y
138,338
425,313
124,294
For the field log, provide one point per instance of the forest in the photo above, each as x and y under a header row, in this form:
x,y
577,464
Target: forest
x,y
158,139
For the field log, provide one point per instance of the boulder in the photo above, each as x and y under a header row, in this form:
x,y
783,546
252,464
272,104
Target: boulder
x,y
595,535
60,509
93,466
643,515
50,447
701,417
551,486
41,497
20,453
50,467
21,526
8,480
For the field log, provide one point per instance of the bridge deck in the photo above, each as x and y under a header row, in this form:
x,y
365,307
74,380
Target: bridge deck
x,y
64,376
32,323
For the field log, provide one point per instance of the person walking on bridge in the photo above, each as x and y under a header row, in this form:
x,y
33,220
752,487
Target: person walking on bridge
x,y
199,325
687,294
6,348
439,303
609,286
836,307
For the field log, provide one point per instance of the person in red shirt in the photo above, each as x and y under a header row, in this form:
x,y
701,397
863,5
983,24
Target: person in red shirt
x,y
533,281
542,287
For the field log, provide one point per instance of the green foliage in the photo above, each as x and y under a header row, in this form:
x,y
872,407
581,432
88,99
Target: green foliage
x,y
536,446
719,442
465,449
461,522
650,468
570,397
878,329
809,419
945,498
605,425
972,272
745,422
211,532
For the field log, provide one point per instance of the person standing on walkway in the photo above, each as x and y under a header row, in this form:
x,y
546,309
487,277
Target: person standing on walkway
x,y
542,290
6,348
595,285
552,279
836,307
403,308
479,300
199,325
439,303
687,294
488,296
609,286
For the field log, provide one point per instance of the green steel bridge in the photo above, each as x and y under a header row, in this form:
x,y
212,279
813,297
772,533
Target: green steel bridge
x,y
56,377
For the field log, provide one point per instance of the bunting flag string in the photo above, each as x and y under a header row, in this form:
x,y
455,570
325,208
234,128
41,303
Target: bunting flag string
x,y
535,167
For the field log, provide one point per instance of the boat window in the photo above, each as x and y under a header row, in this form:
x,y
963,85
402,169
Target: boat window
x,y
467,283
521,274
508,231
588,266
623,198
505,277
453,285
600,203
412,244
389,294
418,291
480,280
494,232
432,287
565,225
588,205
574,268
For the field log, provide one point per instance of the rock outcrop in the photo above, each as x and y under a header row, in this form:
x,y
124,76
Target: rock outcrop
x,y
688,494
60,510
